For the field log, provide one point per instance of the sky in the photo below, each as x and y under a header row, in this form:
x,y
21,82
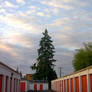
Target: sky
x,y
69,23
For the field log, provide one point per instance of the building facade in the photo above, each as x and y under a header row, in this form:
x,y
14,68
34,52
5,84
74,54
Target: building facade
x,y
9,79
80,81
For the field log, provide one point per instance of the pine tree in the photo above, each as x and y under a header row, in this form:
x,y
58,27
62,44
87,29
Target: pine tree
x,y
44,66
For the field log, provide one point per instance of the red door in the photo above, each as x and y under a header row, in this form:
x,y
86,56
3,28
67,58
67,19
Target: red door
x,y
10,84
64,85
67,85
84,83
14,85
35,86
22,86
77,84
91,82
6,84
71,84
41,87
0,83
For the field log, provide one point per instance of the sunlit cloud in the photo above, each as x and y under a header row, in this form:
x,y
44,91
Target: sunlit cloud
x,y
9,4
5,47
22,2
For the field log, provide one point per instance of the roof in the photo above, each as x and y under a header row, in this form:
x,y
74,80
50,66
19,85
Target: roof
x,y
38,81
90,67
8,67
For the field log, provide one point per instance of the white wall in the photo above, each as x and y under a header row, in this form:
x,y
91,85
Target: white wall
x,y
45,86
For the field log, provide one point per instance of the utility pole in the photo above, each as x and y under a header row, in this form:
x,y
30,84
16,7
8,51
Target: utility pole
x,y
60,71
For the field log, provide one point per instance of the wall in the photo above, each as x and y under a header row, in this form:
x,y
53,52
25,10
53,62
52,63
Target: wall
x,y
9,79
80,81
40,86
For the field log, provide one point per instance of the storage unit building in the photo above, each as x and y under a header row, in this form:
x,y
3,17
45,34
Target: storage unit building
x,y
38,85
80,81
9,79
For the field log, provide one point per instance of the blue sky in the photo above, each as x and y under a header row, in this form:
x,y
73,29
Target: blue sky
x,y
69,22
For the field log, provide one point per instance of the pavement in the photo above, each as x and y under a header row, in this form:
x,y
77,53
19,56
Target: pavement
x,y
41,91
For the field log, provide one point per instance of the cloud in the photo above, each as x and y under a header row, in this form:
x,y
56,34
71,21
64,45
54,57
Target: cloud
x,y
5,47
40,14
21,23
9,4
22,2
2,11
56,4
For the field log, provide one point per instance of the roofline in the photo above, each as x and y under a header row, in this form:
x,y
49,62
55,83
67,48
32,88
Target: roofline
x,y
9,67
89,67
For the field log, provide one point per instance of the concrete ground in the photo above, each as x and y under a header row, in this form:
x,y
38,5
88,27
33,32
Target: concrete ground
x,y
41,91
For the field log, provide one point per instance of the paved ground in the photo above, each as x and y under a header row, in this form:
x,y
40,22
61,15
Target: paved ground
x,y
41,91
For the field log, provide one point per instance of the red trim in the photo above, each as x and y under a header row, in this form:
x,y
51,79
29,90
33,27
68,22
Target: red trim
x,y
77,84
91,82
67,85
35,86
1,83
64,85
72,85
22,86
41,87
6,84
84,83
14,85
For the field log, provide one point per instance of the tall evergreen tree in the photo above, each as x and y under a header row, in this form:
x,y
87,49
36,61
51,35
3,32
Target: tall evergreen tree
x,y
44,66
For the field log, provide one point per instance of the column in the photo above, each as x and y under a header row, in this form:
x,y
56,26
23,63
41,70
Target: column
x,y
12,89
66,85
69,84
18,86
3,83
8,86
88,83
15,84
74,84
80,84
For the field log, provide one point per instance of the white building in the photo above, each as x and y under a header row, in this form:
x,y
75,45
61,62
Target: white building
x,y
9,79
38,85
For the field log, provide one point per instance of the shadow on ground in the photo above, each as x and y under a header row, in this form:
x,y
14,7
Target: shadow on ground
x,y
41,91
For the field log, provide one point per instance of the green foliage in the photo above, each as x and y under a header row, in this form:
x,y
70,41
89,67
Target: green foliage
x,y
44,66
83,58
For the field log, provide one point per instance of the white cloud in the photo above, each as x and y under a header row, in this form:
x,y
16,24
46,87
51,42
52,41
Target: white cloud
x,y
22,2
20,22
56,4
5,47
2,11
9,4
41,14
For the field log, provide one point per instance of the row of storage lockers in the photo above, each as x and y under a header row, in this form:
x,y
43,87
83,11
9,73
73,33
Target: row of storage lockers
x,y
73,84
26,85
14,86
